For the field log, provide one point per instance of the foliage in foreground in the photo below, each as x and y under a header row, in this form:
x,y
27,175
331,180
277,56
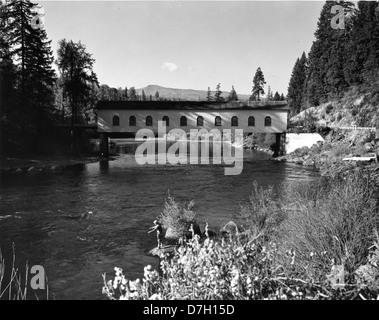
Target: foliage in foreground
x,y
12,285
234,270
318,241
335,216
176,216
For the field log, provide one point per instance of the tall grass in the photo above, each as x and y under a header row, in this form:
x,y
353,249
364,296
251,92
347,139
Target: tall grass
x,y
331,220
262,214
14,286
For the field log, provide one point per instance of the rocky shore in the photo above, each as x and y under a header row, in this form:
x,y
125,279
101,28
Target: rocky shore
x,y
340,144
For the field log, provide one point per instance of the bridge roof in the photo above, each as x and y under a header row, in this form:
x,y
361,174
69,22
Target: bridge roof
x,y
191,105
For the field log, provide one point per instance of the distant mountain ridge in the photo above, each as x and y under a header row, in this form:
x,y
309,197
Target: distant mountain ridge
x,y
183,94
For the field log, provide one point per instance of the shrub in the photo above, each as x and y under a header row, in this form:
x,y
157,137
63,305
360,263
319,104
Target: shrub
x,y
360,149
298,247
177,217
215,270
262,214
301,152
211,271
334,220
341,150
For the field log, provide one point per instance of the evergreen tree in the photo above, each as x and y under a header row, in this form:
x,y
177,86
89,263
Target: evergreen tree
x,y
156,95
209,95
61,102
362,50
233,95
75,65
120,94
282,97
9,114
218,93
132,94
296,87
30,47
4,44
25,44
270,96
276,96
143,95
258,84
113,94
125,94
104,92
326,72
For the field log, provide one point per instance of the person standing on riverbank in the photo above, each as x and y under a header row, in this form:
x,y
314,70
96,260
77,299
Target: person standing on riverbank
x,y
158,228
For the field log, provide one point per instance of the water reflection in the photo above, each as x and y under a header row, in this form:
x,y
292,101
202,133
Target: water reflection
x,y
104,166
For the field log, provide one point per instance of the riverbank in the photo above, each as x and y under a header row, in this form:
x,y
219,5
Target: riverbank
x,y
317,241
330,156
9,165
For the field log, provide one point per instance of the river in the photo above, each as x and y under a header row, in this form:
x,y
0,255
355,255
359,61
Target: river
x,y
82,222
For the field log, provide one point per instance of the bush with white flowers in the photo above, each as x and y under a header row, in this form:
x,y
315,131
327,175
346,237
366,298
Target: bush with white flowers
x,y
214,270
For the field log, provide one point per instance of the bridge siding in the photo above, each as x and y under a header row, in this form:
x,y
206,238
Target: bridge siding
x,y
278,119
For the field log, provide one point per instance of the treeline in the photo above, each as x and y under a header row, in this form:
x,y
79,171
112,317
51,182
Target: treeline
x,y
27,76
112,94
343,55
257,91
119,94
34,97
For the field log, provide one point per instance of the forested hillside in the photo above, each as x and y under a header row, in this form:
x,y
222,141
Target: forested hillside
x,y
339,78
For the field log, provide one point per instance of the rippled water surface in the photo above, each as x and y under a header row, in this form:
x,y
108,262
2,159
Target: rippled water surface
x,y
82,222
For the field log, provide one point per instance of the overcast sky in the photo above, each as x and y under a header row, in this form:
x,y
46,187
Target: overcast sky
x,y
189,45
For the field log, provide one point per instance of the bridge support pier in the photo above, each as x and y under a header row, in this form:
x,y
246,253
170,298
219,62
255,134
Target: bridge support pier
x,y
104,144
280,144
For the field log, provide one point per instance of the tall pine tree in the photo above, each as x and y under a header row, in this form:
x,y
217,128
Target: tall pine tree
x,y
29,49
75,65
258,84
209,94
276,96
326,58
143,96
218,93
233,95
296,87
269,96
362,50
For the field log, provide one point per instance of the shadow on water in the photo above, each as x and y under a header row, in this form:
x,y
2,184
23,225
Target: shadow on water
x,y
84,221
104,165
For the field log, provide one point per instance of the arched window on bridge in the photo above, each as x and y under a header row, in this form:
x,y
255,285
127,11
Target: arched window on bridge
x,y
116,121
149,121
200,121
132,121
183,121
218,121
167,120
234,121
268,121
251,121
